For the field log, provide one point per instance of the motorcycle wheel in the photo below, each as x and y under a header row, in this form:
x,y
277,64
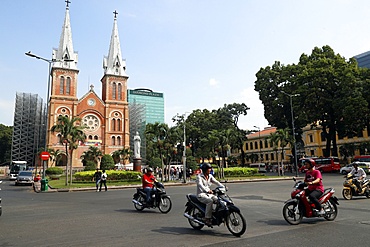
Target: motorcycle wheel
x,y
331,210
140,199
197,214
347,194
236,223
165,204
290,214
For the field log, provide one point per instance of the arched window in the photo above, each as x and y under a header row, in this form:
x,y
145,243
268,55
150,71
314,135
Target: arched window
x,y
90,137
246,146
119,124
119,141
61,89
251,145
68,85
255,145
59,136
113,124
119,91
113,140
96,137
114,89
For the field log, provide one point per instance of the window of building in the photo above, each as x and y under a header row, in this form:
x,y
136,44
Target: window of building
x,y
114,90
61,89
113,124
266,156
311,138
255,145
119,91
59,136
90,137
312,152
272,156
323,138
113,140
96,137
266,144
118,124
68,85
261,144
246,146
251,145
119,141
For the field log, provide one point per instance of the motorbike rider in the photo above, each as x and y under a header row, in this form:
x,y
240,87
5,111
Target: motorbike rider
x,y
148,183
315,189
358,176
204,193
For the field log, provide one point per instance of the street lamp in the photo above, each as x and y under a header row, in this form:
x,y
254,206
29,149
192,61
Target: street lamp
x,y
184,151
295,145
259,143
50,62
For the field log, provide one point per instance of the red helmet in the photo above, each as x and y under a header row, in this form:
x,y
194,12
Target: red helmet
x,y
311,161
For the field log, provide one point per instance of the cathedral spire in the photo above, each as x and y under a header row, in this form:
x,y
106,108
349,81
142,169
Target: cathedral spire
x,y
65,56
113,64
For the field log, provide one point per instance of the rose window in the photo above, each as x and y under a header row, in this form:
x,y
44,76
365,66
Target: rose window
x,y
91,122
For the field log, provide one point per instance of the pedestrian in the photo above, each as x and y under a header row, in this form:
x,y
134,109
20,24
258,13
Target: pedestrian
x,y
97,177
103,180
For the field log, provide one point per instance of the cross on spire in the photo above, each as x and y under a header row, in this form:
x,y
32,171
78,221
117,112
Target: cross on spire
x,y
115,13
68,2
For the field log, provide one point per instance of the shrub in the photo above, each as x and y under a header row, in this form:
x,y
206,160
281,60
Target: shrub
x,y
111,175
54,171
107,162
90,165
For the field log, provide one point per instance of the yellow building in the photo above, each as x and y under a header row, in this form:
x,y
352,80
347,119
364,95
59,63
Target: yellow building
x,y
257,148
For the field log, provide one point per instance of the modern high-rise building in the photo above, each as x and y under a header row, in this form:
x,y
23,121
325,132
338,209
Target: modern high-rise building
x,y
145,106
152,101
363,59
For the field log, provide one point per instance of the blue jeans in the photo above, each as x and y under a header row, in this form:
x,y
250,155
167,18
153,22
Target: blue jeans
x,y
148,192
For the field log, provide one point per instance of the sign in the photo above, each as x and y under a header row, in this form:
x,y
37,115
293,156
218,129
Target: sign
x,y
45,155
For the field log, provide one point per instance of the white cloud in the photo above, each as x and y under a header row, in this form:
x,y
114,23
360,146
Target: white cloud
x,y
213,82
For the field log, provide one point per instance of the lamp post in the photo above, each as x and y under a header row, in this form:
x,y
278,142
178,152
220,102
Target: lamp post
x,y
50,62
295,145
184,152
259,143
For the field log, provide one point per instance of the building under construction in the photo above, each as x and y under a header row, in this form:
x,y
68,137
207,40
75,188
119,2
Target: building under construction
x,y
29,127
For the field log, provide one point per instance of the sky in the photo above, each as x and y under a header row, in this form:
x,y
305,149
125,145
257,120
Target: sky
x,y
201,54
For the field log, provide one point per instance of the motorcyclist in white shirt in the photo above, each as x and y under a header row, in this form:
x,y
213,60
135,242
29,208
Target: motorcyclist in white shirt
x,y
204,192
358,174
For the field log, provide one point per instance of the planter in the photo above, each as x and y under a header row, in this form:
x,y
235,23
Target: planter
x,y
55,177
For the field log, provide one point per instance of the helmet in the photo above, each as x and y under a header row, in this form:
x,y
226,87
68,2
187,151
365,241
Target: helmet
x,y
149,169
311,162
355,164
205,167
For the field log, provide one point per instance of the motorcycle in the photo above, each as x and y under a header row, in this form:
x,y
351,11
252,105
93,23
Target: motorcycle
x,y
224,211
299,205
159,199
350,188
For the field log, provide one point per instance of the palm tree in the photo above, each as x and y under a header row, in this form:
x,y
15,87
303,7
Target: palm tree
x,y
55,156
93,154
71,134
280,138
122,155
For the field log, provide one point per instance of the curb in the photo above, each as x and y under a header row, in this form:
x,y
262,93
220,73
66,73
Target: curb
x,y
167,185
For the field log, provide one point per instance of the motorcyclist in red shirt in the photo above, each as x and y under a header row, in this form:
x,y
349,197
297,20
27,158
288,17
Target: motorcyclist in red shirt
x,y
315,188
148,183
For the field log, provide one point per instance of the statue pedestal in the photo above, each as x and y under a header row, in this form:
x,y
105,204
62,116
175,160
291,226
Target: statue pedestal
x,y
137,164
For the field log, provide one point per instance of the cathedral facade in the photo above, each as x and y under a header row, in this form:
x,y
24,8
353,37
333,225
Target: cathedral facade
x,y
106,117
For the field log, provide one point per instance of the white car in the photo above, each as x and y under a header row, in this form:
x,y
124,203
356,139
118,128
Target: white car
x,y
24,177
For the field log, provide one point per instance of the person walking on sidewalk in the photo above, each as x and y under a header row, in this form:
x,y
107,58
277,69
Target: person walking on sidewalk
x,y
97,177
103,180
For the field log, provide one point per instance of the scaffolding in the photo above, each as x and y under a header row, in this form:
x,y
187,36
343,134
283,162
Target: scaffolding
x,y
29,127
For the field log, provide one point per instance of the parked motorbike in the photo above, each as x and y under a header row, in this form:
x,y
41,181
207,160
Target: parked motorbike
x,y
299,205
224,211
350,188
159,199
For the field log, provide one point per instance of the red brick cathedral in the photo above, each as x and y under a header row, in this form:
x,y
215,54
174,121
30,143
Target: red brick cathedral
x,y
106,117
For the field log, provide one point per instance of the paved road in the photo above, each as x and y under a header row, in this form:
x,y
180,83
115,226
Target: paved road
x,y
91,218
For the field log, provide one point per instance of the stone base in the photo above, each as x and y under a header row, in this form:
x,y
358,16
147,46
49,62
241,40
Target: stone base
x,y
137,164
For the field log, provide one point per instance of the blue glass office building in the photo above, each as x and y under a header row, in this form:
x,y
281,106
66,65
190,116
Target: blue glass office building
x,y
153,103
363,60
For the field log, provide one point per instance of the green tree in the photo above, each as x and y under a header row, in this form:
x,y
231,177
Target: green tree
x,y
92,154
6,133
122,155
71,134
107,162
330,89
